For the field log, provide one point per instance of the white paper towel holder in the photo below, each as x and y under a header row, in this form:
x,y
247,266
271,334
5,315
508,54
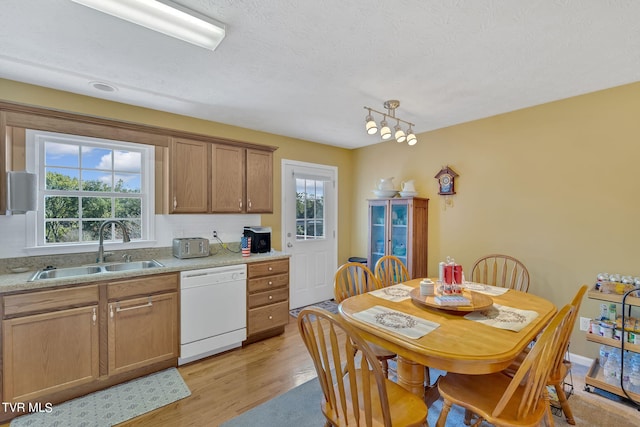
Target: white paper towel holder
x,y
22,192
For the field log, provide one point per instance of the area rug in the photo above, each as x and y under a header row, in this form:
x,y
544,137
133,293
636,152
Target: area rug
x,y
114,405
301,407
329,305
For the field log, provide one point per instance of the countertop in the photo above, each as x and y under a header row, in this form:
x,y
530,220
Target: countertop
x,y
17,282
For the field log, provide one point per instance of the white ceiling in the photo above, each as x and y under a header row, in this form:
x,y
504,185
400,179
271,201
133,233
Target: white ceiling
x,y
305,69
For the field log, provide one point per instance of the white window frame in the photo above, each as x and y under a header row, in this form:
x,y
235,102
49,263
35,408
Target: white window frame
x,y
35,163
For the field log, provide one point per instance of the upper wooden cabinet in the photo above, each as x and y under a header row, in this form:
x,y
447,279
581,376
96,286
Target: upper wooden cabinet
x,y
219,178
189,179
259,188
228,178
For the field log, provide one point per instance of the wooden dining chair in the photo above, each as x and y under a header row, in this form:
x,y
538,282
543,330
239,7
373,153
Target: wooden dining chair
x,y
355,390
501,270
355,278
504,400
561,365
391,270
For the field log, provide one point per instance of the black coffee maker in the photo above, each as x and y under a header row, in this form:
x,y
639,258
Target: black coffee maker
x,y
260,238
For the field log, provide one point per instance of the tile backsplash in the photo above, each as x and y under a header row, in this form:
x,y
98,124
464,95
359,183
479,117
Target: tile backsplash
x,y
13,242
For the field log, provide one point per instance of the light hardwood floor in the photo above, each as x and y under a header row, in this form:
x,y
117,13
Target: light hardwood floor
x,y
228,384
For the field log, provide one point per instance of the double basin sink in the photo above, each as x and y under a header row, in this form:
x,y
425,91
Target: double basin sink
x,y
59,273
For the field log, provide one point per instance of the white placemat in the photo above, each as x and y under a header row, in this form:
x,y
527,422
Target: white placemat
x,y
396,293
485,289
503,317
396,321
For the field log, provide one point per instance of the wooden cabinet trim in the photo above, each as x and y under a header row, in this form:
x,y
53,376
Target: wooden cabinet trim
x,y
43,118
267,268
49,300
142,286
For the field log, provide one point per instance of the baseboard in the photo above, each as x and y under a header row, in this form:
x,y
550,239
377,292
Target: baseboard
x,y
580,360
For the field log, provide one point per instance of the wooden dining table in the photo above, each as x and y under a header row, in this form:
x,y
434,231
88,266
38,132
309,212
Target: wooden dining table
x,y
457,344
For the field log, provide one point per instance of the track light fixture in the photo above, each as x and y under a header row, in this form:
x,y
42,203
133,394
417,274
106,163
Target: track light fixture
x,y
385,130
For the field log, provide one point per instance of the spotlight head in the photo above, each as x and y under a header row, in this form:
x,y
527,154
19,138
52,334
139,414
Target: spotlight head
x,y
385,131
371,125
411,138
400,136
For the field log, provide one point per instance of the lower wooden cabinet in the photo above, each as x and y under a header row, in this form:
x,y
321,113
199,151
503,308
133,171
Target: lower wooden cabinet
x,y
62,343
142,331
267,298
49,352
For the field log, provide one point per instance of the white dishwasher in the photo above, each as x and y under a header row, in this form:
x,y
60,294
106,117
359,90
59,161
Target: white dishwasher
x,y
213,311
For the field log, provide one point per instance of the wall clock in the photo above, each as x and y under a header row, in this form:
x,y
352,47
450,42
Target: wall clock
x,y
446,180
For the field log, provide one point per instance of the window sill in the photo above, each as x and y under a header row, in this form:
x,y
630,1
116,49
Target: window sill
x,y
88,247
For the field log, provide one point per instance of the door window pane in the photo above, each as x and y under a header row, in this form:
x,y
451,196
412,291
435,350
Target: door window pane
x,y
310,218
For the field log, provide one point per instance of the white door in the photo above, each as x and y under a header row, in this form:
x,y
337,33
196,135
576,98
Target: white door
x,y
309,211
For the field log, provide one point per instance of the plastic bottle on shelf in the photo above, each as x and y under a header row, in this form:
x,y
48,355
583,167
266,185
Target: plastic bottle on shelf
x,y
604,354
634,378
612,368
625,371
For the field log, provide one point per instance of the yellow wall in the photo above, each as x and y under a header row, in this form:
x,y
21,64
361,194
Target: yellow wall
x,y
289,148
557,186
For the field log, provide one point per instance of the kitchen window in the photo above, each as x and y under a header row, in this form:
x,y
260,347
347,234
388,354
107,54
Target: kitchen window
x,y
84,181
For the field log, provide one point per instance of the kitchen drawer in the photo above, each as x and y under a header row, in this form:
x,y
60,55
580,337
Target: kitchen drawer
x,y
49,300
141,286
269,297
266,283
268,317
260,269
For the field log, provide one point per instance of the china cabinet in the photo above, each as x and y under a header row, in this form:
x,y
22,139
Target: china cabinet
x,y
595,376
398,226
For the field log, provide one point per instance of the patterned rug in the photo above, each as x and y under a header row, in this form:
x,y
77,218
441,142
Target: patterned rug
x,y
329,305
114,405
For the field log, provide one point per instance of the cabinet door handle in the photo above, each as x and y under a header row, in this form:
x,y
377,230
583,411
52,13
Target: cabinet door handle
x,y
240,203
94,316
270,317
111,311
270,283
270,268
135,307
175,202
248,204
270,297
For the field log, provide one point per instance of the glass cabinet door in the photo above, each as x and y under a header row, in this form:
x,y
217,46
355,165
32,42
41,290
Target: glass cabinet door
x,y
378,233
399,230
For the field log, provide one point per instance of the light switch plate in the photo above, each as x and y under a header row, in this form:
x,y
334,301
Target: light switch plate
x,y
584,323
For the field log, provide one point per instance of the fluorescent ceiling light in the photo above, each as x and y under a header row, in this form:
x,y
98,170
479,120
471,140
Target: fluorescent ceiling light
x,y
165,17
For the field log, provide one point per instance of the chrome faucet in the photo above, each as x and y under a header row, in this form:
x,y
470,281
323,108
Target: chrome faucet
x,y
125,237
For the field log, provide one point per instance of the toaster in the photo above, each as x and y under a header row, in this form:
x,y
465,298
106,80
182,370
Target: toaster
x,y
190,247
